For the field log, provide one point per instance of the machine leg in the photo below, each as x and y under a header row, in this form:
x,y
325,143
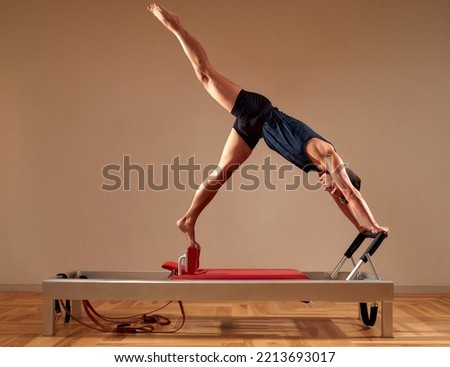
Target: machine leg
x,y
387,319
49,317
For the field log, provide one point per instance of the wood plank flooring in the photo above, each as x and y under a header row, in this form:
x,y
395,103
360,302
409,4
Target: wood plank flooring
x,y
419,320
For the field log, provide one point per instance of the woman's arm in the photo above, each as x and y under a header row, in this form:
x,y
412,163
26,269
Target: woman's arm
x,y
357,209
348,212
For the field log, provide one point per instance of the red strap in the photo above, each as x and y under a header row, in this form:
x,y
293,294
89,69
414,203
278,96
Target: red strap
x,y
129,325
171,266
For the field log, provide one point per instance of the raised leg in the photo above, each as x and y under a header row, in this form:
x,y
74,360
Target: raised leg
x,y
220,88
225,92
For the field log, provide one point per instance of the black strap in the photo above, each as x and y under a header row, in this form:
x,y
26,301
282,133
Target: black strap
x,y
57,309
67,307
368,320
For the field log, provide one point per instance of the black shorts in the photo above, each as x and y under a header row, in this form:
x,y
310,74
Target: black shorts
x,y
251,111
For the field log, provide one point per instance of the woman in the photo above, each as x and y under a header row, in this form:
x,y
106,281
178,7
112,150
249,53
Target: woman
x,y
256,118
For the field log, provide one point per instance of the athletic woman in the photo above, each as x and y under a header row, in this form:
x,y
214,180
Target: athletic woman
x,y
256,118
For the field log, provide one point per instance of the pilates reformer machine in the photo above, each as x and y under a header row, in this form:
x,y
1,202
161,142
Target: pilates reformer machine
x,y
186,281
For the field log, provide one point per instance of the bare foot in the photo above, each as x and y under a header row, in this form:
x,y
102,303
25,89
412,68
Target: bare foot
x,y
187,227
170,20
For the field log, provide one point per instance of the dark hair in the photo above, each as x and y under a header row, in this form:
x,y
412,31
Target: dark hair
x,y
355,180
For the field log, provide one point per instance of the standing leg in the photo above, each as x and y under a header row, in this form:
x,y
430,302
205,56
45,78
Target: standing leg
x,y
234,153
225,92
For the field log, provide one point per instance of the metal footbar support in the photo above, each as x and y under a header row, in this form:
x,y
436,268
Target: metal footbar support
x,y
378,238
368,317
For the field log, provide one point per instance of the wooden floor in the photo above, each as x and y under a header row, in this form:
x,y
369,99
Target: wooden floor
x,y
419,320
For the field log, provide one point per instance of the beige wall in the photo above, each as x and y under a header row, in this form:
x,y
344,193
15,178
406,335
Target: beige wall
x,y
84,83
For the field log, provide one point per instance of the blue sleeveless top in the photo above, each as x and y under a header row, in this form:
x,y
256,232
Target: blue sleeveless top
x,y
256,118
289,137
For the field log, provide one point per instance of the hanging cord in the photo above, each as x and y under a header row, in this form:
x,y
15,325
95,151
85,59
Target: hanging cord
x,y
144,323
101,328
162,320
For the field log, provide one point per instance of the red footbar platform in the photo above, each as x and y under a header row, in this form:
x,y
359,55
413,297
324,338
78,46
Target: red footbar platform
x,y
236,274
192,271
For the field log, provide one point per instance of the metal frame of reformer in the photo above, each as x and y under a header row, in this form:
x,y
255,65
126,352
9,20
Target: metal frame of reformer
x,y
335,286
